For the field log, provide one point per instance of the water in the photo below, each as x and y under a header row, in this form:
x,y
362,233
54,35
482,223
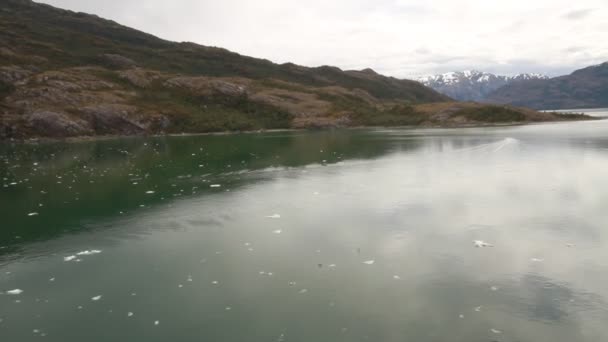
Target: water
x,y
363,235
599,112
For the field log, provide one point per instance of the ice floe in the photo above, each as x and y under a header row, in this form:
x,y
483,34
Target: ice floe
x,y
91,252
14,292
369,262
481,244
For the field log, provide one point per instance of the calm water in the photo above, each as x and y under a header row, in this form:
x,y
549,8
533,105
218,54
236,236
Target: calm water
x,y
362,235
599,112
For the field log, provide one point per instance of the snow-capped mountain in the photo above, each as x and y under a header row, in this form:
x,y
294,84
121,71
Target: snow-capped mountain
x,y
472,85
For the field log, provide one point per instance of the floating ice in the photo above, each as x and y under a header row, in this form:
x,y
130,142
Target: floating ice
x,y
156,322
303,291
332,265
369,262
149,192
461,316
481,244
278,231
274,216
215,186
396,277
537,260
496,331
14,292
96,298
228,308
52,279
32,214
69,258
91,252
215,282
478,309
494,288
130,314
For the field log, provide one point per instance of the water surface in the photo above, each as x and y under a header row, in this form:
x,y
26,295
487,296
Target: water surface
x,y
362,235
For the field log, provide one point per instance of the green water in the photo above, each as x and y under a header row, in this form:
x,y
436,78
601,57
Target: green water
x,y
364,235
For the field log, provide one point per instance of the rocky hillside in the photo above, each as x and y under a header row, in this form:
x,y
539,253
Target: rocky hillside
x,y
472,85
65,74
585,88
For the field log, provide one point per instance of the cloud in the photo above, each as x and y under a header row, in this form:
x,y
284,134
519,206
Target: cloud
x,y
402,38
577,14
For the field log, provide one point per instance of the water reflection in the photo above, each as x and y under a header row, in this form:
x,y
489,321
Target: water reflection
x,y
213,263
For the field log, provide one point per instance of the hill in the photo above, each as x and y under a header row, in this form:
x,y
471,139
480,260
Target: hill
x,y
585,88
64,74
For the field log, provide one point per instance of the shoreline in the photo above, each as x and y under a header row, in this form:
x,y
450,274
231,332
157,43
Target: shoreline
x,y
77,139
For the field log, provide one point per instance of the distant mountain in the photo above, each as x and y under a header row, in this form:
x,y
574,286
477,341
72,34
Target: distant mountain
x,y
585,88
472,85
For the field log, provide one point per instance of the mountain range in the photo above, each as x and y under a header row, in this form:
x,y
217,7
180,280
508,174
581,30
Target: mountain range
x,y
473,85
584,88
70,74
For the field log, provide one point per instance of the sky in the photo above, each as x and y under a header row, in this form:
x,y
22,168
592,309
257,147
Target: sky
x,y
401,38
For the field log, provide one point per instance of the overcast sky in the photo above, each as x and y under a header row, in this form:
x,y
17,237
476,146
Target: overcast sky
x,y
402,38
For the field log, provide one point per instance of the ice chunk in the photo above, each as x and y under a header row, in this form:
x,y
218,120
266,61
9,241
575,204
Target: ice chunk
x,y
303,291
274,216
396,277
369,262
278,231
91,252
149,192
156,322
478,309
96,298
69,258
494,288
14,292
32,214
215,186
130,314
481,244
537,260
496,331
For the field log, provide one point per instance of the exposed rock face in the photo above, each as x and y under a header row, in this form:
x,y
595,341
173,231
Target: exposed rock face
x,y
208,86
57,124
113,119
118,61
13,74
140,77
